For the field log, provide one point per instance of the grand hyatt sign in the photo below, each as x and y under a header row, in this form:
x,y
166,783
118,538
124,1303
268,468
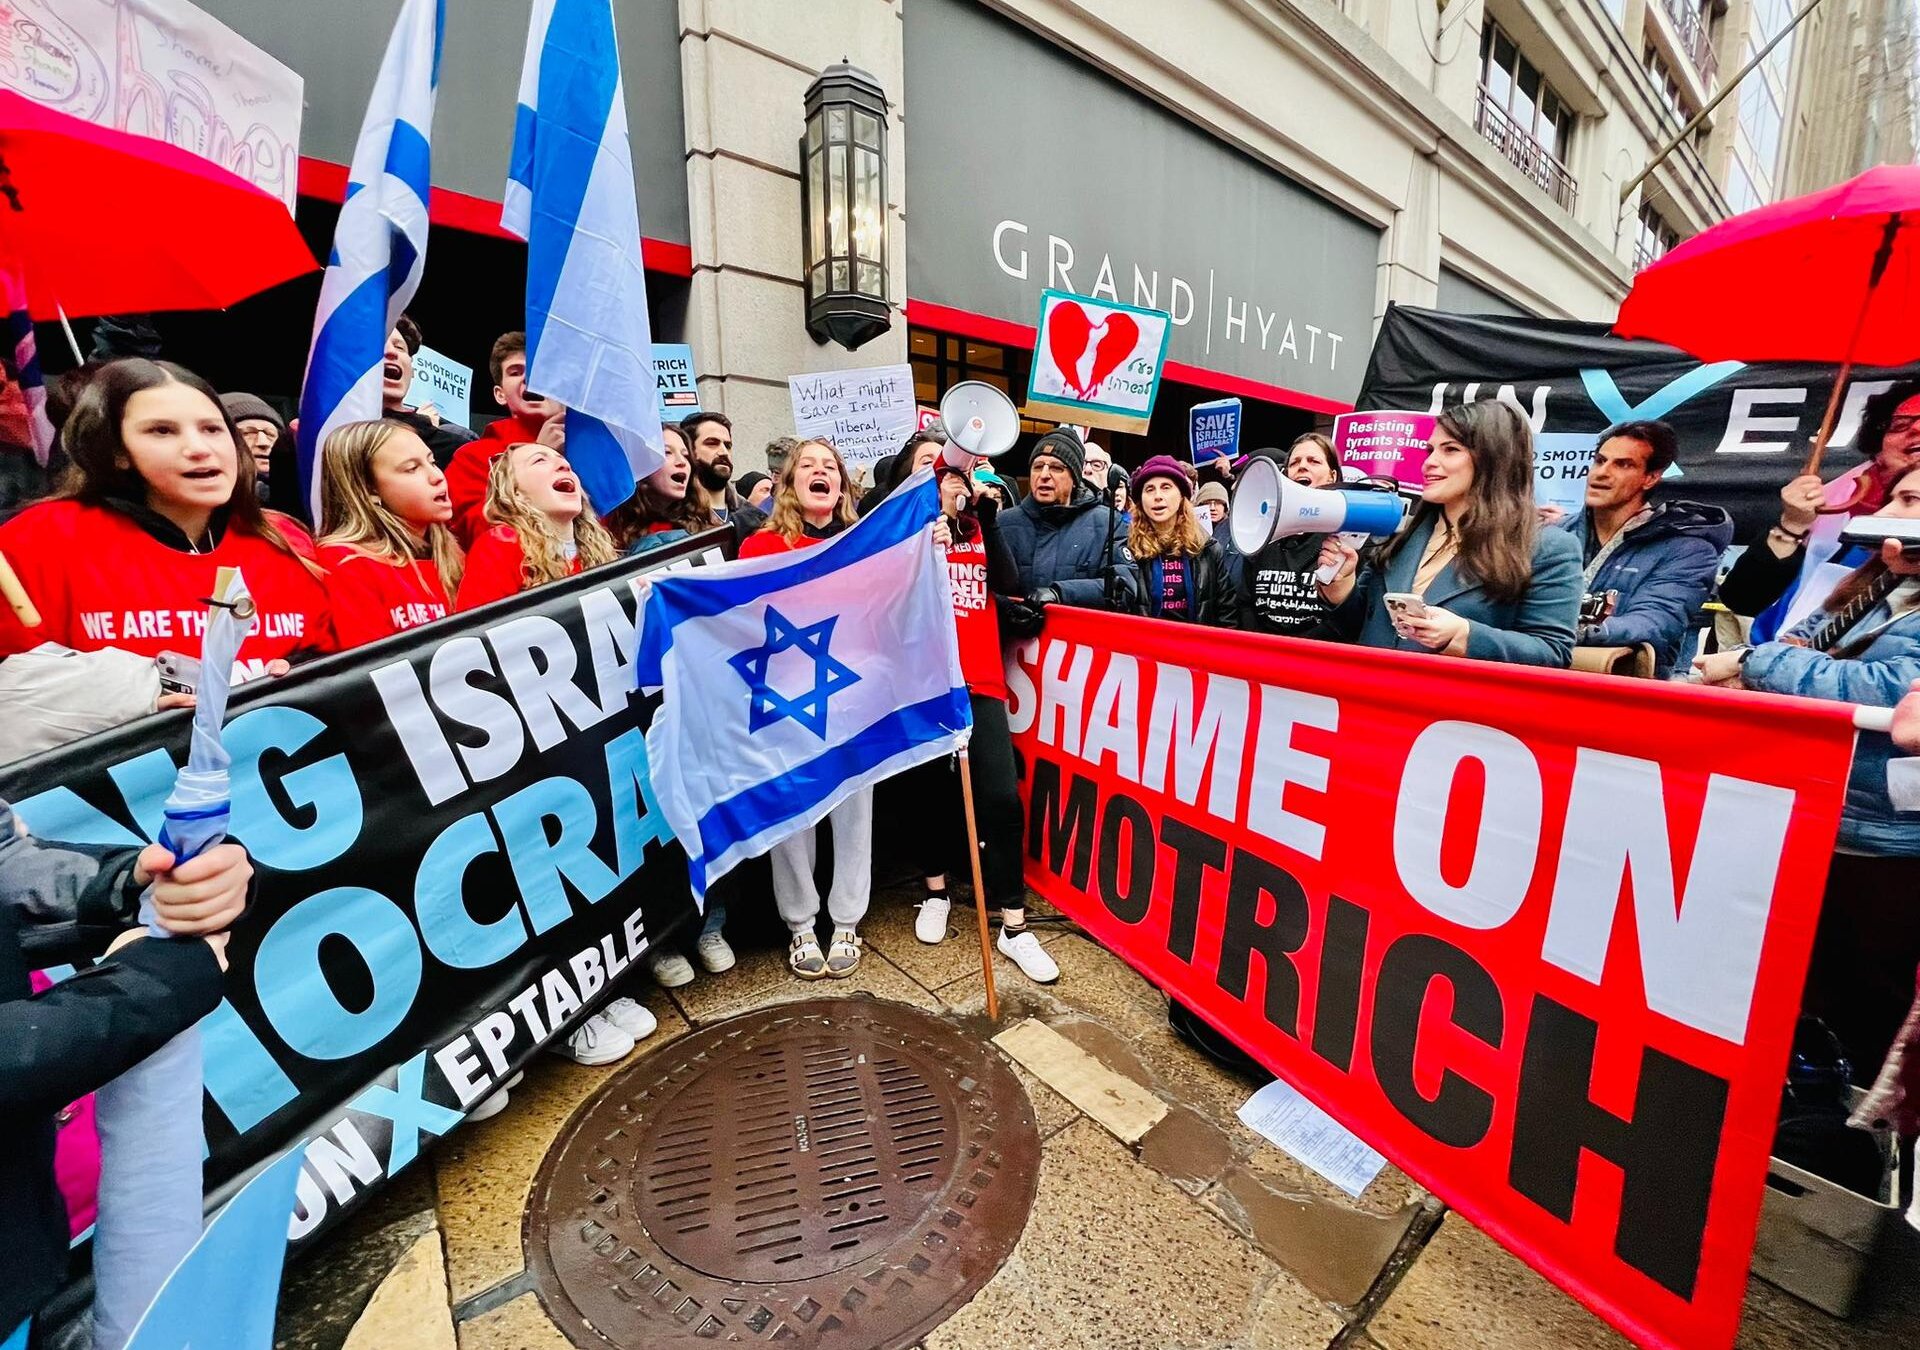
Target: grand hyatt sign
x,y
1225,318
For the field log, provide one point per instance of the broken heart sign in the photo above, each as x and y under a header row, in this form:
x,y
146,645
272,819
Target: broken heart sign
x,y
1096,363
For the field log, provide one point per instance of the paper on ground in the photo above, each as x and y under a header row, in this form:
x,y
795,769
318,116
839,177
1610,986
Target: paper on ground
x,y
1298,1128
1126,1109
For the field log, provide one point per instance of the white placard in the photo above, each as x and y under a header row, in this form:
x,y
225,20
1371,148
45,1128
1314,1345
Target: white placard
x,y
160,68
443,382
1298,1128
867,414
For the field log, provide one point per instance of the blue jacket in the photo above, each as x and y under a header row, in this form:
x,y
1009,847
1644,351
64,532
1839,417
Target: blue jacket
x,y
1876,675
1074,549
1664,570
1535,630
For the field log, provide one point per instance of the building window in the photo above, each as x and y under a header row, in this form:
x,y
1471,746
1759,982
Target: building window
x,y
1665,87
1692,22
941,360
1519,112
1741,194
1653,239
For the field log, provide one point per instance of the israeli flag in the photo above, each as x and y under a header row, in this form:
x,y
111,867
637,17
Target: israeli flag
x,y
380,242
570,196
791,682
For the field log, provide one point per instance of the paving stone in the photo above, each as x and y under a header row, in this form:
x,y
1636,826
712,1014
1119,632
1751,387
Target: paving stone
x,y
762,977
409,1310
519,1325
1113,1257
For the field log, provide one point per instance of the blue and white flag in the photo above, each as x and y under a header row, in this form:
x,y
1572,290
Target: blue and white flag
x,y
570,196
791,682
380,242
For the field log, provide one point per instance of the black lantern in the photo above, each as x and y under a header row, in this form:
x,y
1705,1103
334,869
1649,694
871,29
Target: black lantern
x,y
843,207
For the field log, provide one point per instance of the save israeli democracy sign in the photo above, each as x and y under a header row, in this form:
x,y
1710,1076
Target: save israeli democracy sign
x,y
1544,956
457,851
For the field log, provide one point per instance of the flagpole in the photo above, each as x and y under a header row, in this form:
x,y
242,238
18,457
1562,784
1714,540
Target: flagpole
x,y
979,888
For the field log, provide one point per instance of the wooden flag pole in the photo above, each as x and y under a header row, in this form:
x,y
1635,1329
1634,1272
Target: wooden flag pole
x,y
979,889
16,595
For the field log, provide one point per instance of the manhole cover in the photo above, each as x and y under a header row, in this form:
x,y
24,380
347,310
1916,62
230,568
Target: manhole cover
x,y
833,1173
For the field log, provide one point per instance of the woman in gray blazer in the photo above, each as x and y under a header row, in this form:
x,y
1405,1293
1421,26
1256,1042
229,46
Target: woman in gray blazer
x,y
1491,583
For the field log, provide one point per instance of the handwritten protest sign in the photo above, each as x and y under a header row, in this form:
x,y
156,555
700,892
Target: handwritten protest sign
x,y
160,68
443,382
867,414
674,379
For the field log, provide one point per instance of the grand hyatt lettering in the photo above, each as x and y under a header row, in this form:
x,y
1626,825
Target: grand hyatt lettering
x,y
1141,812
1243,321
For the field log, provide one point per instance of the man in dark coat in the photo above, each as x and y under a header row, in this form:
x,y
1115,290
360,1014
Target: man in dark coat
x,y
1066,539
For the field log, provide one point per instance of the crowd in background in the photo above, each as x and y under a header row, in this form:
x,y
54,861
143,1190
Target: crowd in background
x,y
166,479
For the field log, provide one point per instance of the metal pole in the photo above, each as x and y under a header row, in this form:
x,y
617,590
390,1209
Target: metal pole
x,y
1727,88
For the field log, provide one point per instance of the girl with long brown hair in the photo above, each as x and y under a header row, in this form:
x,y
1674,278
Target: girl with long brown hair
x,y
1472,573
391,559
1183,573
811,504
542,527
160,497
660,512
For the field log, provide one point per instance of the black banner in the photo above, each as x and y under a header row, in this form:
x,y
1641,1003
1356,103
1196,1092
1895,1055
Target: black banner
x,y
1744,429
457,851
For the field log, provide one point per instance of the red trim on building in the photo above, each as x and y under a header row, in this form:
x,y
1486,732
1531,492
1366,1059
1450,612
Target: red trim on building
x,y
965,323
461,211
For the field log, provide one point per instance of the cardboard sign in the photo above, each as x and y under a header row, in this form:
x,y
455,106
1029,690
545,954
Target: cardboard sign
x,y
1545,958
159,68
1213,430
442,381
674,378
867,414
1384,444
1096,363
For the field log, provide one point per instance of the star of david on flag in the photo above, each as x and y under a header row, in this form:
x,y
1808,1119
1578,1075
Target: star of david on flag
x,y
790,682
768,704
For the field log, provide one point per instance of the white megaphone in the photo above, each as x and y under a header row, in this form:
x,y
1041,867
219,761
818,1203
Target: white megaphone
x,y
1267,505
980,420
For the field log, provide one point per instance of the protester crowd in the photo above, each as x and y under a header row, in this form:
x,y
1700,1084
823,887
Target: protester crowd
x,y
168,480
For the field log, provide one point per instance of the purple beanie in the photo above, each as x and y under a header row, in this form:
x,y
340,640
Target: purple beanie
x,y
1161,466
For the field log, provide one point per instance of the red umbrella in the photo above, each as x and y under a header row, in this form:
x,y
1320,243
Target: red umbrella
x,y
1832,276
103,222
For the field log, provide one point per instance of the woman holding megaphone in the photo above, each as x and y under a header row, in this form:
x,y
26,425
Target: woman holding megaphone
x,y
1472,574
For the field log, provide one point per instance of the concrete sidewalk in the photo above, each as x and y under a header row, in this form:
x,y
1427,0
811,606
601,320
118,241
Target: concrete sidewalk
x,y
1202,1235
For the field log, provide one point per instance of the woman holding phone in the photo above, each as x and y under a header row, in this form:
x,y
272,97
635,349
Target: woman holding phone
x,y
1473,573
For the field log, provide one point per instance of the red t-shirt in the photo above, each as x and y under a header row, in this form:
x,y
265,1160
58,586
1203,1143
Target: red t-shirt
x,y
467,474
374,598
493,569
99,580
974,615
766,542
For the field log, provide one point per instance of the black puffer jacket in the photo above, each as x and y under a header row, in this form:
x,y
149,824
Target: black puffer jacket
x,y
1216,600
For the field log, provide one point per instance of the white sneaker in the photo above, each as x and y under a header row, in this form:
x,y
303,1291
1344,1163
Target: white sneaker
x,y
714,953
930,924
1030,956
594,1042
489,1107
670,969
631,1017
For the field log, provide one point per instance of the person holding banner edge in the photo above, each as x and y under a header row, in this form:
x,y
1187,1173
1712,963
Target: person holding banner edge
x,y
1861,646
1475,542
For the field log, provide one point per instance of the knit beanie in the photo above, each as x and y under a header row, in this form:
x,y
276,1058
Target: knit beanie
x,y
242,406
1162,466
1212,492
1064,445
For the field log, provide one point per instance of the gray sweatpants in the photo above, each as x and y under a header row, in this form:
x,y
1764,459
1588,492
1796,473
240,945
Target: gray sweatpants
x,y
794,893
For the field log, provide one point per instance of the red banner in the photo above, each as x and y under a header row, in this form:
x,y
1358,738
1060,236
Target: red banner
x,y
1537,937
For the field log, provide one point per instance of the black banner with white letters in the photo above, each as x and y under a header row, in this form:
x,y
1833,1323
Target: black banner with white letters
x,y
457,852
1744,429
